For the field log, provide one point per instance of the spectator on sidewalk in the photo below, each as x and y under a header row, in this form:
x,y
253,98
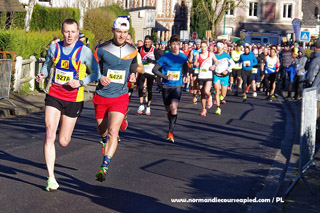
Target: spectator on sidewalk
x,y
313,78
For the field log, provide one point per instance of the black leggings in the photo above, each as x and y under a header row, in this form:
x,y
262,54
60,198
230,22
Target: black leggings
x,y
246,78
141,79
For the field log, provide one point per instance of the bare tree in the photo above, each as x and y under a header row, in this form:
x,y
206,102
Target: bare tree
x,y
27,19
215,10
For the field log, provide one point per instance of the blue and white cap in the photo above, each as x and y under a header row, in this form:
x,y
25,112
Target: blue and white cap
x,y
121,23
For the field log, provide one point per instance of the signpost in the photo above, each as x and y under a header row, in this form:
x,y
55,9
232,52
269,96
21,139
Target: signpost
x,y
194,35
305,36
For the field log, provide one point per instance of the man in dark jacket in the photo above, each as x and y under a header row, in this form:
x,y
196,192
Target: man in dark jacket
x,y
286,60
313,77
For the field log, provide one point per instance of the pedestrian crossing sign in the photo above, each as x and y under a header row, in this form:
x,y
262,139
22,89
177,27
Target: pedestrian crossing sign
x,y
305,36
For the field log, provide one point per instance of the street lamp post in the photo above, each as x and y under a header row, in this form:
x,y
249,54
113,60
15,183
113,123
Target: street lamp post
x,y
224,23
319,25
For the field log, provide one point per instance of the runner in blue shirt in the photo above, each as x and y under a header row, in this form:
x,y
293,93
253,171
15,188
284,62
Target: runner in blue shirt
x,y
174,76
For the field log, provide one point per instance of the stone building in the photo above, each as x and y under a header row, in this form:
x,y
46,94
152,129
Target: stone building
x,y
160,18
263,16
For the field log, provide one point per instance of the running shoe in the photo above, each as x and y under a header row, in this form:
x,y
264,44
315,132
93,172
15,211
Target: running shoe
x,y
194,100
223,101
124,124
203,113
170,137
218,111
254,94
244,96
101,174
148,111
187,89
158,88
141,109
52,185
191,91
229,90
209,102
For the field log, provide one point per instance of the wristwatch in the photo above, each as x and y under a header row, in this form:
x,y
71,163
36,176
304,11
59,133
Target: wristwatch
x,y
81,83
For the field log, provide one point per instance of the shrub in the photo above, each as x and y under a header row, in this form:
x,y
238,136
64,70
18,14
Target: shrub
x,y
45,18
31,43
99,21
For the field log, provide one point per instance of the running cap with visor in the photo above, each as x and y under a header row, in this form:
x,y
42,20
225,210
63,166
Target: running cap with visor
x,y
219,44
121,23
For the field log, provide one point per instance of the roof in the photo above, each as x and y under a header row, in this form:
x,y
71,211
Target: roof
x,y
11,6
159,27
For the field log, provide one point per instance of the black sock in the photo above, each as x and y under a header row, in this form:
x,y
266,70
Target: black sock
x,y
173,120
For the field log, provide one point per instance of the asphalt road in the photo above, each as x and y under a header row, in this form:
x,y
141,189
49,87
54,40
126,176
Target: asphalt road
x,y
226,156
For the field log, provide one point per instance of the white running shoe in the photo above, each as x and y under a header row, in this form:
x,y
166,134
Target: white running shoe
x,y
254,94
140,109
148,111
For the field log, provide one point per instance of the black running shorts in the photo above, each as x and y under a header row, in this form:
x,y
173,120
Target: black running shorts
x,y
68,108
170,93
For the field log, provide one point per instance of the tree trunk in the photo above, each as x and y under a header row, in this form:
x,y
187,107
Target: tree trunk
x,y
27,19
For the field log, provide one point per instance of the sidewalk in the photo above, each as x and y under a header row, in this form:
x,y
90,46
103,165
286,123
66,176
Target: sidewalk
x,y
300,198
31,102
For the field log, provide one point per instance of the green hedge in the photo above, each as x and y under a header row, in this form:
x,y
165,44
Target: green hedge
x,y
45,18
17,20
31,43
99,21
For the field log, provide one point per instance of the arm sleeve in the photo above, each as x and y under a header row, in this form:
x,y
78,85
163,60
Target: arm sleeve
x,y
48,62
312,72
91,63
156,71
134,65
185,68
254,61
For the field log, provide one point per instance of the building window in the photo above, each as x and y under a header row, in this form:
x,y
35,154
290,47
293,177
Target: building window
x,y
127,4
230,10
253,9
269,10
143,3
287,11
159,6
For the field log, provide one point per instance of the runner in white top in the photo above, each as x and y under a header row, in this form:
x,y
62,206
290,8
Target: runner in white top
x,y
204,61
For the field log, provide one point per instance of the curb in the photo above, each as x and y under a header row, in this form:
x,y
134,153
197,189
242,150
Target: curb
x,y
27,109
280,169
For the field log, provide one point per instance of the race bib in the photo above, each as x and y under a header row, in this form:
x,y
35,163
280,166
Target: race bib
x,y
254,70
117,76
246,63
196,70
203,70
270,65
176,75
61,77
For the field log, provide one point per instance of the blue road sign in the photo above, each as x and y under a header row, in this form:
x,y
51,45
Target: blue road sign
x,y
305,36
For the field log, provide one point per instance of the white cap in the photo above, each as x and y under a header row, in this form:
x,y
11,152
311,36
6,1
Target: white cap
x,y
219,44
119,23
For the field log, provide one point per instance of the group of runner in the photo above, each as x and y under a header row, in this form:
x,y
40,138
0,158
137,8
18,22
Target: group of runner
x,y
117,65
